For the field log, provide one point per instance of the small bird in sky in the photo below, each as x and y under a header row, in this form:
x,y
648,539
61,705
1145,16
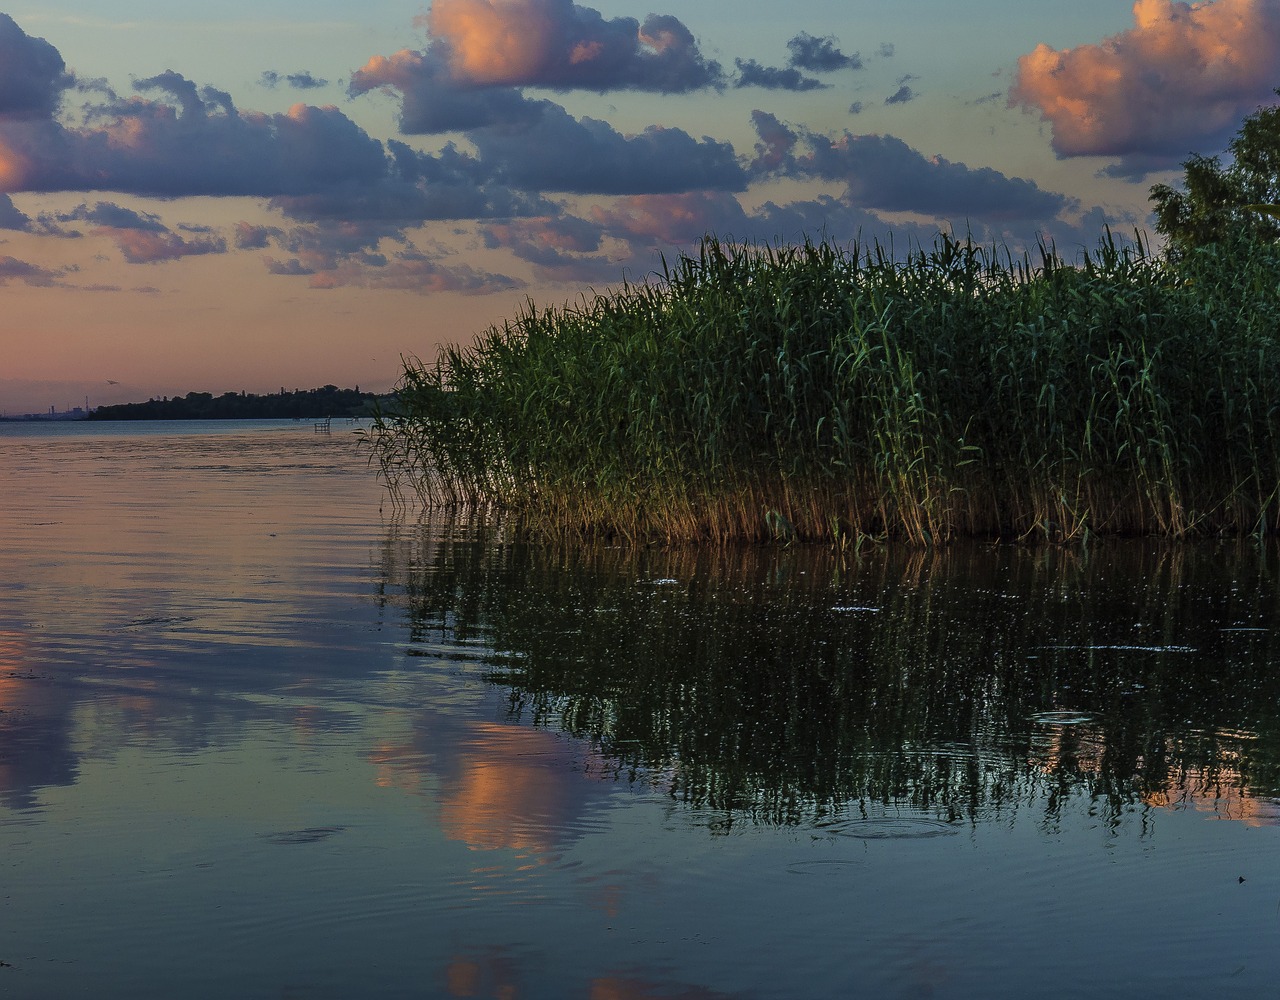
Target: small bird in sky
x,y
112,381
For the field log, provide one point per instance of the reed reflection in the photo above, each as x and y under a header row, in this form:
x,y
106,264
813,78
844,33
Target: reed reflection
x,y
783,686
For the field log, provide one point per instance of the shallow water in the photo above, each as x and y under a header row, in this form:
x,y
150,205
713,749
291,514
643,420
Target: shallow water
x,y
261,738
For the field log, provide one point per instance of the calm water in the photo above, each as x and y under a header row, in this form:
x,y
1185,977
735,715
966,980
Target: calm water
x,y
260,738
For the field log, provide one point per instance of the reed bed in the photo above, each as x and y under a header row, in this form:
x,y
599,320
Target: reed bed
x,y
813,392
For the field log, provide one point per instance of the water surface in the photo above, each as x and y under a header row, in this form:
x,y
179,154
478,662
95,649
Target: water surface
x,y
259,737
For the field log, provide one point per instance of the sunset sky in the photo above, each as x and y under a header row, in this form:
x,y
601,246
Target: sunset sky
x,y
264,195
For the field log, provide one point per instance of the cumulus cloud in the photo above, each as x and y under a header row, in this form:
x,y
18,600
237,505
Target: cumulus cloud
x,y
347,206
11,217
141,237
140,246
820,55
33,76
353,252
904,93
12,269
563,248
413,272
670,220
481,52
110,216
299,81
587,156
561,45
431,100
1181,78
775,146
883,173
752,74
419,187
196,143
249,236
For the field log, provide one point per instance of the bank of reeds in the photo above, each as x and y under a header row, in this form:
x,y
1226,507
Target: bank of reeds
x,y
820,393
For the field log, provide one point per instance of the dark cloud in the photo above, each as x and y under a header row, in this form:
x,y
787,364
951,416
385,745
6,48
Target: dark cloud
x,y
775,146
883,173
198,145
560,45
253,237
110,216
901,96
299,81
140,246
12,269
543,235
562,248
885,51
418,187
348,206
141,237
33,76
432,103
855,108
558,152
1180,79
291,267
10,217
669,220
752,74
820,55
479,54
367,253
411,271
834,219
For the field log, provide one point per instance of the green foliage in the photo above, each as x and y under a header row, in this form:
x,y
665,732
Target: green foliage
x,y
812,393
1220,203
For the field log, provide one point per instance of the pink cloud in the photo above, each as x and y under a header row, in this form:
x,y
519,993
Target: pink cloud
x,y
1183,76
141,246
557,43
671,219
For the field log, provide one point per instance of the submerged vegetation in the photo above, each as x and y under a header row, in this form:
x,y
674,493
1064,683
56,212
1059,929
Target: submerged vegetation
x,y
821,393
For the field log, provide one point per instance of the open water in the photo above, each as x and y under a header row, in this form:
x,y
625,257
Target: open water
x,y
261,736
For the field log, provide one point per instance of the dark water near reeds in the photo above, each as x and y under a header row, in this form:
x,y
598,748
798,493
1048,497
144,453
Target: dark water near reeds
x,y
260,739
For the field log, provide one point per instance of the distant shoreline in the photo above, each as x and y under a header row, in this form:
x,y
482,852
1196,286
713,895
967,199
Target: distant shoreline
x,y
300,404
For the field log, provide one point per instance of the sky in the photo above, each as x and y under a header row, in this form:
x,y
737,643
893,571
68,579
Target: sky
x,y
284,194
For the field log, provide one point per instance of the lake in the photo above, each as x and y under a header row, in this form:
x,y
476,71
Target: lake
x,y
262,735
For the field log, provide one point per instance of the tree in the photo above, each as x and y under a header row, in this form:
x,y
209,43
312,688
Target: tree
x,y
1217,203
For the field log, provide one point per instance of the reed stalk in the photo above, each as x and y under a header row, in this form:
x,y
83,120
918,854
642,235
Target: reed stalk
x,y
810,392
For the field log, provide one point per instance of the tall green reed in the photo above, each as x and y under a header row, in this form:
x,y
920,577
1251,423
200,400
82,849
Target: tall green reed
x,y
811,392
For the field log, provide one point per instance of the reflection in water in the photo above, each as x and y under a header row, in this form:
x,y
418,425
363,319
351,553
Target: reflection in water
x,y
34,728
256,742
508,789
786,687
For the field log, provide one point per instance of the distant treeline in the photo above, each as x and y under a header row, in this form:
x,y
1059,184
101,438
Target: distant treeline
x,y
327,401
